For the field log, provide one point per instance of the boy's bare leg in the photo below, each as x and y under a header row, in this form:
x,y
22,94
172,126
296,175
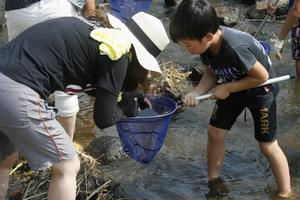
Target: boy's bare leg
x,y
279,166
63,181
5,168
68,123
215,151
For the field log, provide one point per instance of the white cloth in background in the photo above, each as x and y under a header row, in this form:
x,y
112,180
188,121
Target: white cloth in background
x,y
20,19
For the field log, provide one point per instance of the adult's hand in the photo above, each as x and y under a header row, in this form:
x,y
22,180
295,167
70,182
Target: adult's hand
x,y
132,102
278,47
89,8
271,7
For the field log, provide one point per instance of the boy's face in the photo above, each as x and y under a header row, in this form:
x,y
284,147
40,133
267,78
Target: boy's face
x,y
194,46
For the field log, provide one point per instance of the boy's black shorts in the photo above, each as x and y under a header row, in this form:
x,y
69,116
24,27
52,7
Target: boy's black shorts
x,y
262,104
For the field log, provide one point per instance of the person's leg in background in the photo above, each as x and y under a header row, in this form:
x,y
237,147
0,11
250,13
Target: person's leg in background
x,y
298,69
295,35
20,19
296,56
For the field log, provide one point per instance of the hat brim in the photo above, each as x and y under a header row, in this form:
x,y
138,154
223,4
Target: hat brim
x,y
146,59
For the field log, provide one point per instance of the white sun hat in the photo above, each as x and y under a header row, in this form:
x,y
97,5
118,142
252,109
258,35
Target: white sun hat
x,y
148,36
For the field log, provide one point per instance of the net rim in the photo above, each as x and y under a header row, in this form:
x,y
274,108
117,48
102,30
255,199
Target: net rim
x,y
153,117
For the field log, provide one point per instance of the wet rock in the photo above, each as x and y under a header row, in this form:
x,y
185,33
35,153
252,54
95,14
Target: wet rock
x,y
258,11
196,75
248,2
227,15
117,190
248,28
106,149
253,13
282,9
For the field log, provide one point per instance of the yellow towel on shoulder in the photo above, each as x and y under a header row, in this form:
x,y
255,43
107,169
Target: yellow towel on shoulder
x,y
114,42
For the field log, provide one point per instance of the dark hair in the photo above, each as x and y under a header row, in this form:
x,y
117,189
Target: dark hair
x,y
136,75
193,19
101,15
97,16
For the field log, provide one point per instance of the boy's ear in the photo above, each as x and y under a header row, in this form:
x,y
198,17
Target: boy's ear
x,y
209,37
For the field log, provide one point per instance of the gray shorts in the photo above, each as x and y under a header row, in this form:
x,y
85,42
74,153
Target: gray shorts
x,y
29,126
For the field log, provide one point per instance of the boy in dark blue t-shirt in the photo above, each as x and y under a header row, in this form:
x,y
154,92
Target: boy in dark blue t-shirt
x,y
234,63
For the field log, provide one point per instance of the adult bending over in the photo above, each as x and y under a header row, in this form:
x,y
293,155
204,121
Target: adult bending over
x,y
21,15
71,55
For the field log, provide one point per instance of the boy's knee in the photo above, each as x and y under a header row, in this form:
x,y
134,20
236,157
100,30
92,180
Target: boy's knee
x,y
216,134
267,147
67,167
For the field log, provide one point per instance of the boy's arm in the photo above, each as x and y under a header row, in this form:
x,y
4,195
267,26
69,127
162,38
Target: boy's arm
x,y
255,76
207,82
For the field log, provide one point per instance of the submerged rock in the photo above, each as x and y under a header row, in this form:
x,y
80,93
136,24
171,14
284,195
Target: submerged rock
x,y
227,15
106,149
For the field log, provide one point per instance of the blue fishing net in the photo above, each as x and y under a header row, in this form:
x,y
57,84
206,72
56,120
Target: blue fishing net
x,y
142,137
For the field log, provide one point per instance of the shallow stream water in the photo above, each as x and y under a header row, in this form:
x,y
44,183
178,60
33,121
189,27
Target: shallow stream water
x,y
179,170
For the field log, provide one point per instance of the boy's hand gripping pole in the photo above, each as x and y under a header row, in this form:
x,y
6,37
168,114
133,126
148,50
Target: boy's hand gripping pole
x,y
270,81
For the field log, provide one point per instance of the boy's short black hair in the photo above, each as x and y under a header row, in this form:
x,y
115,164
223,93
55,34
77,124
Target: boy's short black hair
x,y
193,19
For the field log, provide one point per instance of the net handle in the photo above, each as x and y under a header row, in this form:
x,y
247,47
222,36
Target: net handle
x,y
270,81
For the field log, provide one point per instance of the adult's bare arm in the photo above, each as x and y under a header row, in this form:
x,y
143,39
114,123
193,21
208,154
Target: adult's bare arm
x,y
291,19
89,8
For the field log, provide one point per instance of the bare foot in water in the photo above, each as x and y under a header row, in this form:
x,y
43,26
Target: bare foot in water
x,y
285,194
